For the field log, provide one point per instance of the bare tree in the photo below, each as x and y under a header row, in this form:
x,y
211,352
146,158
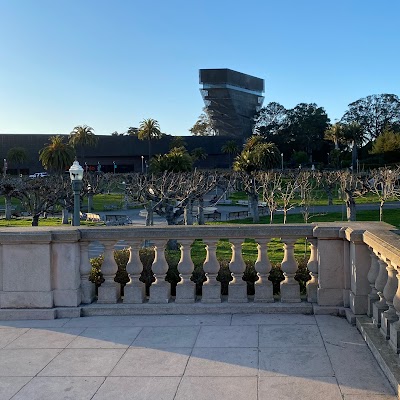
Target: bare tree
x,y
40,195
271,186
9,187
307,182
328,180
382,183
288,191
351,187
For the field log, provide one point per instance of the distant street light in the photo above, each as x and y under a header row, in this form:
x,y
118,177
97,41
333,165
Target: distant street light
x,y
282,161
142,164
5,167
76,175
114,166
89,198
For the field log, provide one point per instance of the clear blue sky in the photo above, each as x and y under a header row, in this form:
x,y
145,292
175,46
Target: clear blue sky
x,y
110,64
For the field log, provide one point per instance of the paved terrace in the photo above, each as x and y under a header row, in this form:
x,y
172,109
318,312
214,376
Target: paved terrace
x,y
181,357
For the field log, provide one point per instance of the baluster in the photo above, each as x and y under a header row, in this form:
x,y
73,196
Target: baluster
x,y
290,288
211,291
185,289
160,290
379,306
263,286
88,289
389,316
395,326
372,276
109,291
312,265
135,290
237,291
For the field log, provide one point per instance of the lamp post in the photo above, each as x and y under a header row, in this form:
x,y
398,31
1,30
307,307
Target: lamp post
x,y
142,164
76,175
5,167
89,198
282,161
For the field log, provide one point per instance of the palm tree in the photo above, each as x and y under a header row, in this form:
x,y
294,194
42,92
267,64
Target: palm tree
x,y
57,156
149,129
18,156
335,134
82,136
230,148
198,154
257,155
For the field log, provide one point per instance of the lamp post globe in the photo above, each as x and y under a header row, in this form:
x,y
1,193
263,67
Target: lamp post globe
x,y
76,175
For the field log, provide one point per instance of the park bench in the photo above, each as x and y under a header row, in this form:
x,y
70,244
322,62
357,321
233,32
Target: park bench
x,y
237,214
215,216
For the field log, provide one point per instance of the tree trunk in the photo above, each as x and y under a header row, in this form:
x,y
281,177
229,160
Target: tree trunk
x,y
271,216
330,197
35,219
350,206
188,214
381,210
284,215
253,202
64,216
7,209
149,216
200,212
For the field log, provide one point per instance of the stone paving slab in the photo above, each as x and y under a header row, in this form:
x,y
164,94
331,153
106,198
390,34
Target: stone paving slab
x,y
291,388
58,338
7,336
138,388
105,338
295,361
139,361
51,388
184,357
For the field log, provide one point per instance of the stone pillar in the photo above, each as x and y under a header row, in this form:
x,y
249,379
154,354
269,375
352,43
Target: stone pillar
x,y
360,263
65,270
394,340
290,288
211,291
372,275
185,289
135,290
346,271
237,291
88,289
379,306
109,291
330,261
312,265
389,316
160,290
263,286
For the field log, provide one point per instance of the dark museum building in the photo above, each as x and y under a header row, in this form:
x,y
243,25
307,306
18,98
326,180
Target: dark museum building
x,y
127,152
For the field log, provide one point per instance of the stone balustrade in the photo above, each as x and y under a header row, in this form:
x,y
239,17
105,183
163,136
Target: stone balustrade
x,y
352,265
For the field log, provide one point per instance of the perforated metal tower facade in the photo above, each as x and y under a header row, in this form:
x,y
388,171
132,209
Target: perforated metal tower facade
x,y
231,99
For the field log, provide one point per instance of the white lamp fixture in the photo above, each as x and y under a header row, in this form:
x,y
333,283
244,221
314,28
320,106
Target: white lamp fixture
x,y
76,172
76,175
